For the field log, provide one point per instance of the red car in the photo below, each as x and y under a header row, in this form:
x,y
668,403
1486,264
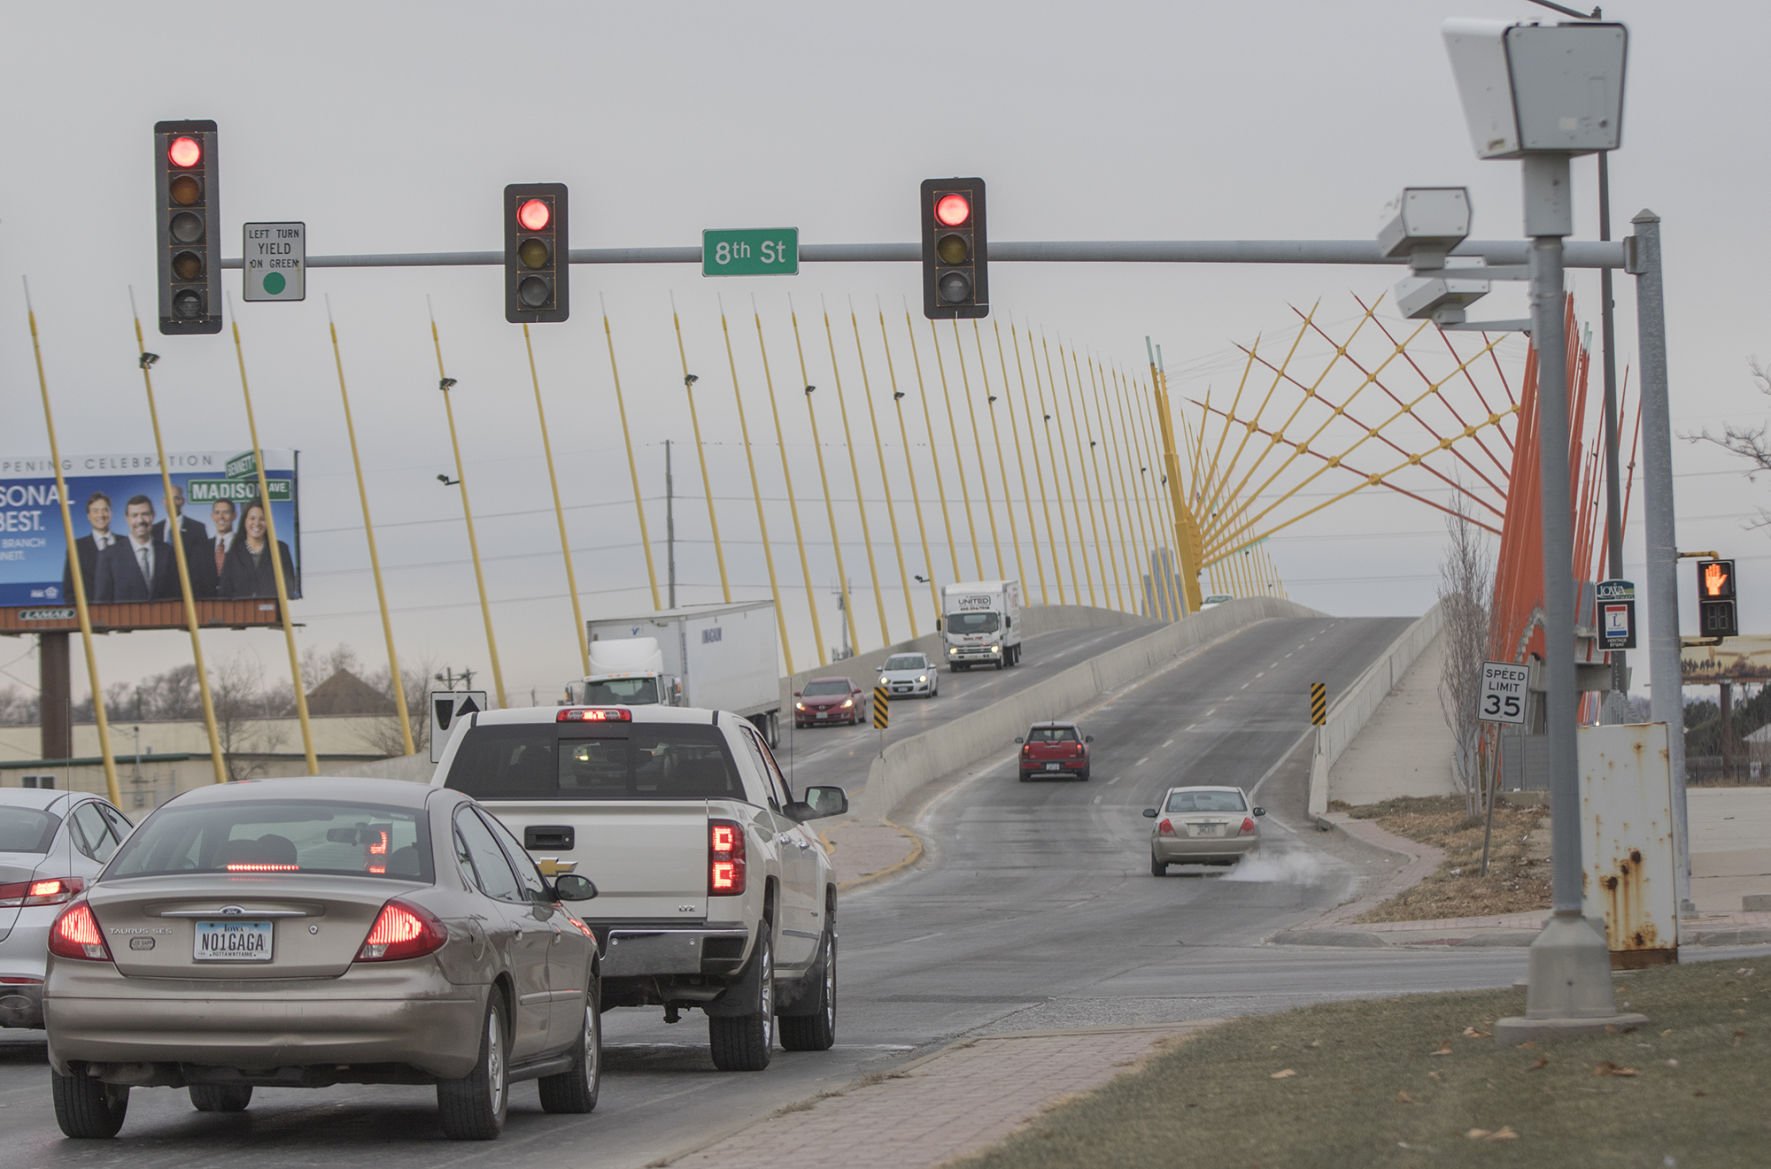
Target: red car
x,y
829,700
1055,749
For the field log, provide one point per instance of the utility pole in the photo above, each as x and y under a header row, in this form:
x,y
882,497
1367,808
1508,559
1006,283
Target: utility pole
x,y
669,524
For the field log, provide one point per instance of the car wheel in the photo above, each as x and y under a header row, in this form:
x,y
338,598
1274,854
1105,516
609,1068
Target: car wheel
x,y
473,1107
220,1097
1083,775
816,1031
743,1043
88,1109
1157,868
576,1090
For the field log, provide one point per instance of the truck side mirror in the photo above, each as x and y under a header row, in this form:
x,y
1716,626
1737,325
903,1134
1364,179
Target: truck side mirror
x,y
820,801
1008,622
937,625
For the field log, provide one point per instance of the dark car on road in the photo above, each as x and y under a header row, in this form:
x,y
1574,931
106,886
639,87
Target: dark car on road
x,y
1055,750
829,700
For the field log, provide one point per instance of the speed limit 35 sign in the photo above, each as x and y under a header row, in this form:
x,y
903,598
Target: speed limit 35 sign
x,y
1503,692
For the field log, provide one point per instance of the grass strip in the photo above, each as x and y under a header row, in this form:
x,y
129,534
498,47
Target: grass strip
x,y
1421,1082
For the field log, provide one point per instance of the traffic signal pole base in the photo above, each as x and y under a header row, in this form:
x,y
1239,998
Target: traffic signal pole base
x,y
1568,985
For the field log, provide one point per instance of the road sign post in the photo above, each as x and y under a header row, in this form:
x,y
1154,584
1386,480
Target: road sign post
x,y
1318,704
274,257
1504,691
448,708
750,251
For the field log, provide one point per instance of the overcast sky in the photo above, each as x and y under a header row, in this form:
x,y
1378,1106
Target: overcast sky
x,y
391,128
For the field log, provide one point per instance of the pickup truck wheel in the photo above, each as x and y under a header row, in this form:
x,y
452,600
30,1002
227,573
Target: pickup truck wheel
x,y
816,1030
743,1043
473,1107
88,1109
220,1097
576,1090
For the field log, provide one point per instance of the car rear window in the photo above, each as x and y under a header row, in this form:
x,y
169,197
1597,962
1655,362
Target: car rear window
x,y
279,836
610,761
1206,802
1052,735
27,829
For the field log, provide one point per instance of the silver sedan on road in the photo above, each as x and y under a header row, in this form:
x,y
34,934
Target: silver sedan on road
x,y
52,843
1202,826
910,675
307,932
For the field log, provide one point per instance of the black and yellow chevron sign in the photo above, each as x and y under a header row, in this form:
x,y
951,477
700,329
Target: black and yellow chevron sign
x,y
882,708
1318,704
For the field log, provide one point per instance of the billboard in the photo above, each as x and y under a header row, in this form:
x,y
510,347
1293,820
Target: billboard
x,y
121,539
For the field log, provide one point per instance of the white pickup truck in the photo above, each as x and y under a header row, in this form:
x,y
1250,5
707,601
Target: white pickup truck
x,y
711,890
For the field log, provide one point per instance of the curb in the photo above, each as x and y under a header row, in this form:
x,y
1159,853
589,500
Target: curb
x,y
1495,938
910,858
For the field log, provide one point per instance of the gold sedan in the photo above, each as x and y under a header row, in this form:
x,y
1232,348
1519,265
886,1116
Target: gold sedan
x,y
307,932
1202,826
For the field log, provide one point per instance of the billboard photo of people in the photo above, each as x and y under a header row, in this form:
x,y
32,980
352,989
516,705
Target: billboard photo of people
x,y
124,525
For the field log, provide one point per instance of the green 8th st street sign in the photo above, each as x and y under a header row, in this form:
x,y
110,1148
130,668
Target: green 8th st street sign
x,y
750,251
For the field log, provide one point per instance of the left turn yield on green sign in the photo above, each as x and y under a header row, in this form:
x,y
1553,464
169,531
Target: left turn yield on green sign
x,y
273,260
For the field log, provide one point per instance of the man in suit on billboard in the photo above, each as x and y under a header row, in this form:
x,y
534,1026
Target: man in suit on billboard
x,y
139,568
87,547
204,574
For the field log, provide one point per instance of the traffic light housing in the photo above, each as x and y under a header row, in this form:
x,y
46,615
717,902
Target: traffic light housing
x,y
1717,615
536,286
187,226
955,254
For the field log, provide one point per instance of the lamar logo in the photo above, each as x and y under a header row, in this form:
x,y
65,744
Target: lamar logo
x,y
46,614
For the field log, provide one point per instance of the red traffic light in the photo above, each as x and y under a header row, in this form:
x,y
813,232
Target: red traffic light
x,y
184,152
953,209
534,214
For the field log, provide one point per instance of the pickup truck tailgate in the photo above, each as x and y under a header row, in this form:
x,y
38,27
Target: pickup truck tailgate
x,y
648,858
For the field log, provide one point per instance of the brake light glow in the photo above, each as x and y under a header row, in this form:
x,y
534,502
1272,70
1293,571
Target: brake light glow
x,y
605,714
1026,748
402,931
260,867
1166,828
378,849
75,935
53,891
1247,825
725,858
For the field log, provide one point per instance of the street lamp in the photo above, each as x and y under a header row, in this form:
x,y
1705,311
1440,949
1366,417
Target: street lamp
x,y
1543,94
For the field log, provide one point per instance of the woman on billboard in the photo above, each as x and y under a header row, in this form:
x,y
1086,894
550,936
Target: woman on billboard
x,y
246,570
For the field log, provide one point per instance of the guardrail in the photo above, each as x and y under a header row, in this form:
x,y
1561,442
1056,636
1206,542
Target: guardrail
x,y
907,765
1348,716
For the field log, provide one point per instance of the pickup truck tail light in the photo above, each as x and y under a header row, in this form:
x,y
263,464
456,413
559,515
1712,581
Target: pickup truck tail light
x,y
1166,828
725,858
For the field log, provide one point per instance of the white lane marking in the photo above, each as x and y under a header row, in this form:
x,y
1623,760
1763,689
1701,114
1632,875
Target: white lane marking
x,y
1168,742
1244,686
1096,800
1142,761
1256,678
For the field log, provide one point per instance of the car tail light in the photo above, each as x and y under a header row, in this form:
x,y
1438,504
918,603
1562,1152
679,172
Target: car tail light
x,y
1166,828
725,858
75,935
402,930
1247,825
1027,748
1076,749
49,891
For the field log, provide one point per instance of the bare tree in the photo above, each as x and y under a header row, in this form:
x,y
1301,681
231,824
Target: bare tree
x,y
1748,442
242,716
384,734
1466,587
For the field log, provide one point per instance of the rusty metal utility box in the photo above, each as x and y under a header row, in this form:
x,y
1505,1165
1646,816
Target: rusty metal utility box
x,y
1627,848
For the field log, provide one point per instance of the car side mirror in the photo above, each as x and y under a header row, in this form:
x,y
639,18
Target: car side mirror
x,y
797,694
937,625
1088,738
1260,811
821,800
1018,739
572,887
1149,813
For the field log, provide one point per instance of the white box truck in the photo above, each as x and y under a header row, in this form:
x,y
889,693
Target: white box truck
x,y
981,623
721,657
